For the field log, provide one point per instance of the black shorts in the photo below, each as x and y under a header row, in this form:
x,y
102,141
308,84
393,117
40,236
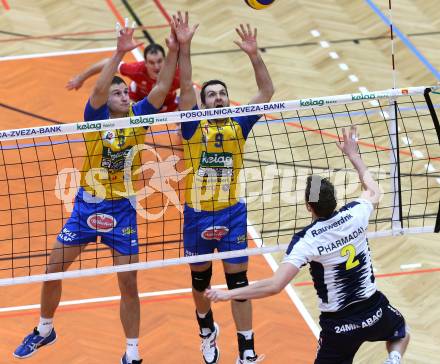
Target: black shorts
x,y
343,332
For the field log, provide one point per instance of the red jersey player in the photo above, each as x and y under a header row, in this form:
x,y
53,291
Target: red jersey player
x,y
143,75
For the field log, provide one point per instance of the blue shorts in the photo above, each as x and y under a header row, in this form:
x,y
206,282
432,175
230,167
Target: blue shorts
x,y
343,332
224,230
113,220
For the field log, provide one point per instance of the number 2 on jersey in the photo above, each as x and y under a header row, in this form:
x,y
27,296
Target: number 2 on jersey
x,y
351,252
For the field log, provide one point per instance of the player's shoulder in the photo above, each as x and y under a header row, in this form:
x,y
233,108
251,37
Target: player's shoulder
x,y
91,113
134,67
303,236
358,204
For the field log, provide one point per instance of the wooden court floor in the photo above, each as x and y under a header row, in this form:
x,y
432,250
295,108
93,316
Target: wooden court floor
x,y
91,333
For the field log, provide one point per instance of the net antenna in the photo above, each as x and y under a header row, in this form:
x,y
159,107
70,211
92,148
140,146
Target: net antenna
x,y
393,126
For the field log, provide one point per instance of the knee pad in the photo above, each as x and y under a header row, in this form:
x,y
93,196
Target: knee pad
x,y
237,280
201,280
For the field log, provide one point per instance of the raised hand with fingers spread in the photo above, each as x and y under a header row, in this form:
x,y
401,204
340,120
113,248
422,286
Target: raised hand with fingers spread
x,y
184,32
248,38
349,145
125,42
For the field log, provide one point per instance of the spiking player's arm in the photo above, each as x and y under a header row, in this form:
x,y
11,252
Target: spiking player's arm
x,y
125,43
248,44
184,34
77,81
349,147
166,76
264,288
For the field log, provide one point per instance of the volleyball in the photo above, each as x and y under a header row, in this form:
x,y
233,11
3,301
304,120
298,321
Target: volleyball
x,y
259,4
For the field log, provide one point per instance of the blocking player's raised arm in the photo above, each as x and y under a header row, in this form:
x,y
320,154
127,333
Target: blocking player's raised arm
x,y
184,34
125,43
166,76
248,44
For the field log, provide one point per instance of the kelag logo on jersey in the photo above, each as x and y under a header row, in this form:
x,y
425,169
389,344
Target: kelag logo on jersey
x,y
101,222
216,160
215,233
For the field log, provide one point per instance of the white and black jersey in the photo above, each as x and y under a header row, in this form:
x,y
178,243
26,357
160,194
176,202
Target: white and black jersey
x,y
339,256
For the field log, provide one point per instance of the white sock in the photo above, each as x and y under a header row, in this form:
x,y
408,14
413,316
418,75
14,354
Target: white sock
x,y
132,350
247,334
45,326
202,315
395,355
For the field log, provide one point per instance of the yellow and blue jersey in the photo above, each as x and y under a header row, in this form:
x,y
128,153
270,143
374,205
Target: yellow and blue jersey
x,y
102,174
213,153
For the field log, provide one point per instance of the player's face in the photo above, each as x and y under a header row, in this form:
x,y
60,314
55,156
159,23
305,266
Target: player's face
x,y
154,63
118,100
216,96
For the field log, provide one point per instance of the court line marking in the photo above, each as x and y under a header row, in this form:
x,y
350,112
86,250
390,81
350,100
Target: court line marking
x,y
411,266
22,38
57,54
106,299
6,5
385,275
289,289
404,40
162,10
183,291
115,11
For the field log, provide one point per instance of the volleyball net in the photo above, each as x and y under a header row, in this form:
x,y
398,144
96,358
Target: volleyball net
x,y
42,170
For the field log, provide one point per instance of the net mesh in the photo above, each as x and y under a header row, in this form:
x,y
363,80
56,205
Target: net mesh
x,y
40,176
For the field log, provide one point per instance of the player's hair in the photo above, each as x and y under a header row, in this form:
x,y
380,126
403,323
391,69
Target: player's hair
x,y
153,49
118,80
321,196
209,83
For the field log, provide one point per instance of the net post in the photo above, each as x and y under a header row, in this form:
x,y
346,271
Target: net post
x,y
437,129
396,192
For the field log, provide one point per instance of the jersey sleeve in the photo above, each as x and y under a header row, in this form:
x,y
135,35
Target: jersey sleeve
x,y
91,114
298,253
363,209
247,122
144,107
119,67
129,69
190,127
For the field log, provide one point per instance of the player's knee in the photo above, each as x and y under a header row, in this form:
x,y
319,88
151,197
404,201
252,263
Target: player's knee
x,y
237,280
201,280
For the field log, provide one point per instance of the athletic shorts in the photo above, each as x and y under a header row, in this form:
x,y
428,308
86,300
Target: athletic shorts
x,y
343,332
113,220
224,230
